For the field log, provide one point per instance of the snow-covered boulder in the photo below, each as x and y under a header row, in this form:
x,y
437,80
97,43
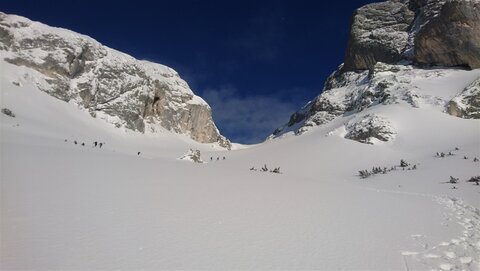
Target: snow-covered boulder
x,y
137,95
192,156
368,128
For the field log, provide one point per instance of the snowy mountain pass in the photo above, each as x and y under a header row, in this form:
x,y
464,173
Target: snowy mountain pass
x,y
341,197
69,206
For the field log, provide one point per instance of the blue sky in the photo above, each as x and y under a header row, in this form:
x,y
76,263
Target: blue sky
x,y
255,62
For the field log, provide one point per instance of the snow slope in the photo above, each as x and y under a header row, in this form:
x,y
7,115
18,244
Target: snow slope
x,y
66,206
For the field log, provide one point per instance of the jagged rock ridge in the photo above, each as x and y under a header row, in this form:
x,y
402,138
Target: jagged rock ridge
x,y
138,95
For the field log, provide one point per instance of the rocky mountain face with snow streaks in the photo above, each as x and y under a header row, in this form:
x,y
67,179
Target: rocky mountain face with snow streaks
x,y
137,95
392,44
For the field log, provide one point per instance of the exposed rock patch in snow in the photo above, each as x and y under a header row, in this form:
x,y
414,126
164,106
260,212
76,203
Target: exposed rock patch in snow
x,y
192,156
368,128
467,103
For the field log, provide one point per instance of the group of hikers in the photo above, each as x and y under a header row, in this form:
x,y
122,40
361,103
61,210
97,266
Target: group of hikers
x,y
218,158
95,143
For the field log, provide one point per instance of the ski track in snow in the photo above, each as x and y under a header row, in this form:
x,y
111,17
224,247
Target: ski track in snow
x,y
459,253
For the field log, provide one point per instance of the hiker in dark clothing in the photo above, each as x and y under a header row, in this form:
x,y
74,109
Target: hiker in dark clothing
x,y
138,153
218,158
83,144
101,144
75,142
211,158
224,158
95,143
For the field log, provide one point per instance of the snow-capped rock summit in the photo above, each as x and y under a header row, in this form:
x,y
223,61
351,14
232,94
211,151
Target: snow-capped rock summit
x,y
137,95
393,56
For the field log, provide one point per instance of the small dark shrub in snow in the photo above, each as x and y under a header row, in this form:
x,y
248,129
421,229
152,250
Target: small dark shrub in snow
x,y
376,170
475,179
384,170
364,174
265,169
276,170
453,179
8,112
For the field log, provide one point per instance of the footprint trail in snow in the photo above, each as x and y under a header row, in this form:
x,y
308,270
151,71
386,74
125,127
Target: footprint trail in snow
x,y
460,253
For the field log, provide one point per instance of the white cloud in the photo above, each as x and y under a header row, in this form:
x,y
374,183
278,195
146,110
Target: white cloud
x,y
249,119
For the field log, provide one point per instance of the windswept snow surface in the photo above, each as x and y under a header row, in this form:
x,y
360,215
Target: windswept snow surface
x,y
67,206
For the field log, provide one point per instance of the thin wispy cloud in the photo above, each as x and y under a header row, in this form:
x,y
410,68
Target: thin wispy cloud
x,y
250,119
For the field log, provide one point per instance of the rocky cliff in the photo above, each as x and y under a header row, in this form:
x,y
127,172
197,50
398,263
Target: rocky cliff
x,y
391,44
127,92
428,32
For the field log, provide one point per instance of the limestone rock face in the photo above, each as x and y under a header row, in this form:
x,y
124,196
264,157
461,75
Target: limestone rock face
x,y
137,95
453,37
427,32
467,103
378,33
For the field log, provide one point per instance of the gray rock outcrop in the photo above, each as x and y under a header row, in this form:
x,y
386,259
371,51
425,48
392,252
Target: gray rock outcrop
x,y
427,32
378,33
137,95
467,103
452,38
